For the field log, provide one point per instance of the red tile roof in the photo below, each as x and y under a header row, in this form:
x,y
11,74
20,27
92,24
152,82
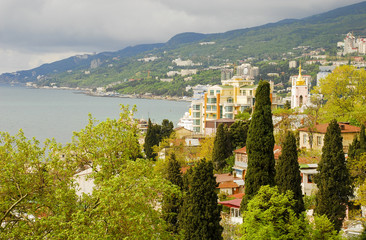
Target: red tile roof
x,y
232,203
276,150
225,177
322,128
230,184
238,195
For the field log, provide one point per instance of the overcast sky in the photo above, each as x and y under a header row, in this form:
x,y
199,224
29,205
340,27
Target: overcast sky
x,y
33,32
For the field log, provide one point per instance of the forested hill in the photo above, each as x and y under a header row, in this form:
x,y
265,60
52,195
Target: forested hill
x,y
267,41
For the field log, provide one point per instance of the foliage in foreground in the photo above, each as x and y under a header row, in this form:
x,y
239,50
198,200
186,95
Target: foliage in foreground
x,y
38,197
270,215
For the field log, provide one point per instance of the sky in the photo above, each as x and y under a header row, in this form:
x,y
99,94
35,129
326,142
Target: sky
x,y
42,31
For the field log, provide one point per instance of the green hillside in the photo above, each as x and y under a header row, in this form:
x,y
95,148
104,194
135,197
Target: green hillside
x,y
272,41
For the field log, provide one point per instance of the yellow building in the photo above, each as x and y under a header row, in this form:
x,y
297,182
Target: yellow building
x,y
223,101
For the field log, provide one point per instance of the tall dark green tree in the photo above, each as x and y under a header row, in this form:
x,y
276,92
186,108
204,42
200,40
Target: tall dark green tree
x,y
260,143
172,203
288,172
222,147
333,180
238,133
200,216
151,139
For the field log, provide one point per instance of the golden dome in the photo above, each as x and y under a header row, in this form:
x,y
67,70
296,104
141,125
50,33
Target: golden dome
x,y
300,81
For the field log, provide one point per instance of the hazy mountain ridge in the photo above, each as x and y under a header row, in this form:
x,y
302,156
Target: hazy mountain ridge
x,y
272,39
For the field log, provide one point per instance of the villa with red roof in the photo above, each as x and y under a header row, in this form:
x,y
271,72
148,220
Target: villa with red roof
x,y
348,132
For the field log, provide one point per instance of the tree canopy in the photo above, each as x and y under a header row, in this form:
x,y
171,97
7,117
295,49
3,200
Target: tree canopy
x,y
344,90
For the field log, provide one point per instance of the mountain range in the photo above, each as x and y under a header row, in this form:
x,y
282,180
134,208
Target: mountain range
x,y
269,41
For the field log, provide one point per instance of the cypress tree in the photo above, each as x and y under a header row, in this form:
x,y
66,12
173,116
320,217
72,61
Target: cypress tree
x,y
222,147
166,129
354,148
260,143
333,180
288,172
362,140
238,133
172,203
200,217
151,139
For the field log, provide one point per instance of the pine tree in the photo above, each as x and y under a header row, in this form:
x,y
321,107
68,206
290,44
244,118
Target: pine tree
x,y
288,172
333,180
172,203
260,143
222,147
200,217
151,139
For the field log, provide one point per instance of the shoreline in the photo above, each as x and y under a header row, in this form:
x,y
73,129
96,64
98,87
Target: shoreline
x,y
89,92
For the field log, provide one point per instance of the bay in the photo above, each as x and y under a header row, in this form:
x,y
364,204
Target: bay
x,y
55,113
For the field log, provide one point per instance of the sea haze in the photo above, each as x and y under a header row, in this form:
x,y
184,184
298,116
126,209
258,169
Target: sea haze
x,y
48,113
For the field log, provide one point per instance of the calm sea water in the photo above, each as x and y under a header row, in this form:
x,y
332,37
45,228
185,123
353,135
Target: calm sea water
x,y
47,113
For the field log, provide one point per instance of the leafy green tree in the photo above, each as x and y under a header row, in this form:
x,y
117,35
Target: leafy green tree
x,y
172,203
344,90
270,215
151,139
222,147
238,133
322,228
200,216
288,172
36,188
333,180
260,143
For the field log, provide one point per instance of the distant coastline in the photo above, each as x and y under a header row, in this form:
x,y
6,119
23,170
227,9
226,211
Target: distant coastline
x,y
90,92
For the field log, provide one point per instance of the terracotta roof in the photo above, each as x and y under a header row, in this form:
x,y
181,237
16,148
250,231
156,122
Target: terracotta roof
x,y
185,169
241,150
225,177
232,203
322,128
238,195
230,184
276,150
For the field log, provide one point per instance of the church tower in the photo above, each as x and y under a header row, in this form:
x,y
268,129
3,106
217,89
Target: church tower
x,y
299,91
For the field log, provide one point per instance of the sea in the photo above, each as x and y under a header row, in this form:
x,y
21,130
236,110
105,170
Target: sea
x,y
56,113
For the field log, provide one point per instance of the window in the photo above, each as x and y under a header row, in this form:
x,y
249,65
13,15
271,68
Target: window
x,y
196,107
305,138
212,92
196,122
310,178
214,108
251,93
235,212
243,92
217,91
208,108
230,100
196,129
196,114
229,108
229,115
319,140
211,100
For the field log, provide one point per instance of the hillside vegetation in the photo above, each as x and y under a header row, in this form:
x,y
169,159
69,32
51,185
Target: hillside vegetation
x,y
273,41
